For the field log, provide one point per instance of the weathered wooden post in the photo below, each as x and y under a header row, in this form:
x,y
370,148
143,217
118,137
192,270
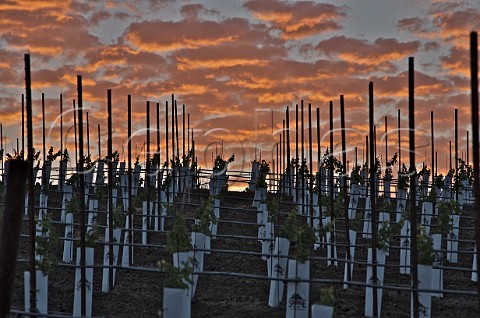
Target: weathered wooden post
x,y
10,230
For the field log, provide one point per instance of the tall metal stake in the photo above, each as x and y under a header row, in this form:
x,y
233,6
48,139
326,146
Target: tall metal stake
x,y
82,201
456,151
110,187
331,184
23,124
130,201
287,121
88,136
386,141
475,137
413,182
296,153
75,133
373,194
344,185
399,143
31,188
433,147
61,125
310,159
147,166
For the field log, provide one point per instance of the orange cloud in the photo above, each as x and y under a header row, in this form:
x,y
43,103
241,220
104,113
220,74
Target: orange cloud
x,y
380,51
184,34
298,19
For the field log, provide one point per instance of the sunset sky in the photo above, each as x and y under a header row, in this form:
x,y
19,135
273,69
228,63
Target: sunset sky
x,y
234,62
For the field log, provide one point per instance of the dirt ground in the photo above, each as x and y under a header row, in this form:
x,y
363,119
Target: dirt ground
x,y
221,292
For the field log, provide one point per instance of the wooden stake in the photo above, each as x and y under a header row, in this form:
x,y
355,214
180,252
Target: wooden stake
x,y
373,194
88,137
82,201
413,190
399,143
287,121
344,177
130,201
331,184
23,124
31,188
456,151
310,159
43,133
434,171
61,127
475,137
10,231
99,144
75,133
110,186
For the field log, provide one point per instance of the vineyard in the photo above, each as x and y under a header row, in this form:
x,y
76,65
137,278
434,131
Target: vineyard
x,y
307,237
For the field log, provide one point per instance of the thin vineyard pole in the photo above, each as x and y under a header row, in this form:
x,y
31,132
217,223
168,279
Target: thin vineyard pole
x,y
147,167
331,185
373,194
303,157
173,128
88,137
159,180
99,145
475,137
176,131
296,151
434,171
167,158
318,140
158,132
75,133
82,201
386,141
183,128
456,152
129,155
282,156
344,177
413,190
279,171
310,155
61,126
110,186
288,150
178,152
366,151
318,165
23,124
43,134
31,187
399,142
468,146
450,145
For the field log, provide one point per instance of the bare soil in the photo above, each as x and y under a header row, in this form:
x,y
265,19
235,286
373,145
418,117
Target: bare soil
x,y
221,292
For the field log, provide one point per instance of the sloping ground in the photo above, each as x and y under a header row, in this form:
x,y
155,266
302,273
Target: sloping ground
x,y
221,291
